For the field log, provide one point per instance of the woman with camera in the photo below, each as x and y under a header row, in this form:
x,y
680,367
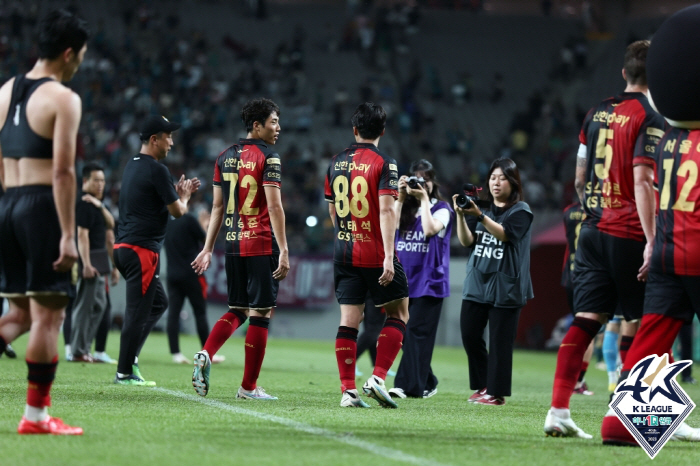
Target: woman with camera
x,y
497,284
423,248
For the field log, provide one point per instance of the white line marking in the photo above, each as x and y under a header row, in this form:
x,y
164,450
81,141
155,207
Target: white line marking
x,y
309,429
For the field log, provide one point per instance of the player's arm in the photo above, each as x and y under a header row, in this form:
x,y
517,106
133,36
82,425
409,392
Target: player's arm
x,y
387,225
580,180
274,207
646,207
109,244
203,259
84,249
331,212
65,135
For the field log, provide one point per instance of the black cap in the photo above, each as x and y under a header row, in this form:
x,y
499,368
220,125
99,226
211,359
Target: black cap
x,y
155,124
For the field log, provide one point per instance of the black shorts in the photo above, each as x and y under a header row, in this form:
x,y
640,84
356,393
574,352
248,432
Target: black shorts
x,y
605,275
250,282
676,296
353,283
29,244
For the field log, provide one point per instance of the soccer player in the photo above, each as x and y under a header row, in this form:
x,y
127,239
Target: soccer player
x,y
146,198
39,117
615,182
361,186
247,196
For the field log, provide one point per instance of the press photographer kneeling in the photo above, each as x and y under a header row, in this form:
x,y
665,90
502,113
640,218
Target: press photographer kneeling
x,y
497,284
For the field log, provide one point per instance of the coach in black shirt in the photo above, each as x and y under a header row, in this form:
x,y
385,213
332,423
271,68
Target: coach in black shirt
x,y
147,197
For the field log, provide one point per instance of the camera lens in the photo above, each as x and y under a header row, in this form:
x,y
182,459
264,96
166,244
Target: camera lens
x,y
463,201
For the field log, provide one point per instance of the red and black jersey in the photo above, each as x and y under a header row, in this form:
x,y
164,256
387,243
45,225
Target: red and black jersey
x,y
621,132
677,243
573,217
356,178
242,171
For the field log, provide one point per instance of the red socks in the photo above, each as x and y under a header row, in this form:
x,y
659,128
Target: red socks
x,y
388,345
655,336
345,356
255,344
223,329
570,359
40,376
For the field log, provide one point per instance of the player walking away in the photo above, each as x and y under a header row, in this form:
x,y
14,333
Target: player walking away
x,y
146,198
361,186
39,118
256,244
614,180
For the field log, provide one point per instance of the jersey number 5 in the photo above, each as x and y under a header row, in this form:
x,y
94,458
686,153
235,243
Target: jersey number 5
x,y
249,182
603,150
351,201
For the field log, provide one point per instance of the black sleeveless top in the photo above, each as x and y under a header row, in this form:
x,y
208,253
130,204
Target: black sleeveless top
x,y
16,137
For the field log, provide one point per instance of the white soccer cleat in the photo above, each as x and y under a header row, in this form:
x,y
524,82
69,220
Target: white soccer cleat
x,y
351,399
374,388
397,392
179,358
557,426
258,393
200,374
686,433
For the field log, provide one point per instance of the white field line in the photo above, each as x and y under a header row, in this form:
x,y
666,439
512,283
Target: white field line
x,y
389,453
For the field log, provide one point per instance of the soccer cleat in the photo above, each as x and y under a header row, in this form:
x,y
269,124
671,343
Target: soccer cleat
x,y
612,386
258,393
429,393
351,399
10,352
50,425
374,388
101,356
556,426
135,370
200,375
397,392
489,400
614,432
476,395
216,359
131,379
583,390
686,433
179,358
86,358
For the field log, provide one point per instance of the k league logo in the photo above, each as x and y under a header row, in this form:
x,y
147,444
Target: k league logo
x,y
651,404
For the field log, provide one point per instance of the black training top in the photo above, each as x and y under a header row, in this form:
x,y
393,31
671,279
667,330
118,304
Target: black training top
x,y
183,241
16,137
147,189
91,217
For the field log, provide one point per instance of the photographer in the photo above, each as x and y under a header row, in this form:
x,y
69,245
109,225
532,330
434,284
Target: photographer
x,y
498,283
423,247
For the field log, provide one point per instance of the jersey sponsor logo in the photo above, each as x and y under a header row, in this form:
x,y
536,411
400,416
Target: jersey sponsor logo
x,y
351,166
240,151
238,164
273,175
650,403
393,167
273,161
605,117
656,132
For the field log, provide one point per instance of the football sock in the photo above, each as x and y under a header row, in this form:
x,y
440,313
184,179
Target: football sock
x,y
255,344
40,377
656,334
35,414
388,345
625,344
610,350
223,329
345,356
570,359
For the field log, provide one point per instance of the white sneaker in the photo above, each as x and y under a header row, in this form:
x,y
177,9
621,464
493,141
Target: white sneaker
x,y
351,399
397,392
104,357
218,358
179,358
686,433
258,393
557,426
429,393
374,388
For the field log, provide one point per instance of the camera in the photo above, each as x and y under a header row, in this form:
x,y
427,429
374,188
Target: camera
x,y
471,195
414,181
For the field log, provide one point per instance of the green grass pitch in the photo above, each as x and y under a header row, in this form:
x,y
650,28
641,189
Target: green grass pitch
x,y
171,425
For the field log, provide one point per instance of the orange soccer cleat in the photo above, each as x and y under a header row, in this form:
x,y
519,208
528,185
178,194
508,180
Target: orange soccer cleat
x,y
50,425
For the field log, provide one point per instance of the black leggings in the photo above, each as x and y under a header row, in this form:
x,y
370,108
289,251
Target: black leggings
x,y
178,290
492,369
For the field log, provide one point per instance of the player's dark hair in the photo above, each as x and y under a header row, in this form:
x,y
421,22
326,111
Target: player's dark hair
x,y
370,120
411,204
258,110
635,62
512,174
58,31
90,167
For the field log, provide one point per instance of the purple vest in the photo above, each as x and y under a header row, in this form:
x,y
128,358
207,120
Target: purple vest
x,y
426,261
